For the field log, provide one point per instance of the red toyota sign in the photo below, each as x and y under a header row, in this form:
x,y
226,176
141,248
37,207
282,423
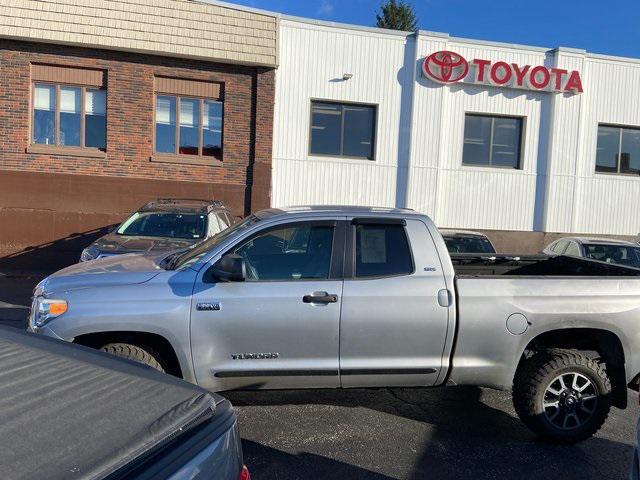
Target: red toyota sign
x,y
450,67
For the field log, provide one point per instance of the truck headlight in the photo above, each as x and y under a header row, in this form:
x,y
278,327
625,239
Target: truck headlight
x,y
44,310
88,253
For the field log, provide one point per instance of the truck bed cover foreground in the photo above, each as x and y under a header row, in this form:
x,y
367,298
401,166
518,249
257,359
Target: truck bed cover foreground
x,y
69,412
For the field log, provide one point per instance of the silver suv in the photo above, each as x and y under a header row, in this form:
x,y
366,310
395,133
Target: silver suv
x,y
603,249
163,225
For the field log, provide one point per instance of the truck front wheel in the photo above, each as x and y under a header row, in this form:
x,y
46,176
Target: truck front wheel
x,y
562,395
133,352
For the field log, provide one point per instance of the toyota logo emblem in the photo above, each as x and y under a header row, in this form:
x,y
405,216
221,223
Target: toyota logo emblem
x,y
445,67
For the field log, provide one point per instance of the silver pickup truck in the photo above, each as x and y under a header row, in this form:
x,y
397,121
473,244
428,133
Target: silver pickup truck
x,y
330,297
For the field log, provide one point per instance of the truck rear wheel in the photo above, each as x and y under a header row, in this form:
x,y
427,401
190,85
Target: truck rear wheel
x,y
562,395
135,353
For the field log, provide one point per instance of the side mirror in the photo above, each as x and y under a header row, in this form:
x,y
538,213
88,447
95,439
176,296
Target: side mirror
x,y
230,268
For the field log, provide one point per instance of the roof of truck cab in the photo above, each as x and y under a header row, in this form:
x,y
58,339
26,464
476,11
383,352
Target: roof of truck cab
x,y
70,412
347,210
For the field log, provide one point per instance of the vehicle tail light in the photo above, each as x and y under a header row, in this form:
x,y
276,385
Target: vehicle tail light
x,y
244,473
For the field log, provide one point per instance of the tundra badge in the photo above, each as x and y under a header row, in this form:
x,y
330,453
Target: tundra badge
x,y
208,306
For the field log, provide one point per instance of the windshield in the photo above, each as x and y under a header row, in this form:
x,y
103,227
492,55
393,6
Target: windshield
x,y
621,254
170,225
468,244
194,254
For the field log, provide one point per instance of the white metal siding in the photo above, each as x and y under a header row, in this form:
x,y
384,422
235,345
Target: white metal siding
x,y
470,196
608,203
421,124
316,58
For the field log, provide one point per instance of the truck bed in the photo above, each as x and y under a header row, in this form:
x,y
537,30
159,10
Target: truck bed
x,y
474,265
70,412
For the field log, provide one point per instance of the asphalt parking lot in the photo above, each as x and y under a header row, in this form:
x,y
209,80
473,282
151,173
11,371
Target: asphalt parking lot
x,y
447,433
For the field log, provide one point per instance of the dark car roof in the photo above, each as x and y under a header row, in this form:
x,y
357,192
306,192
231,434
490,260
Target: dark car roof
x,y
69,412
448,232
183,205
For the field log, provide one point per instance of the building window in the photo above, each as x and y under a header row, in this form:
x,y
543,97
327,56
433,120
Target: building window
x,y
618,150
342,130
188,126
492,141
69,116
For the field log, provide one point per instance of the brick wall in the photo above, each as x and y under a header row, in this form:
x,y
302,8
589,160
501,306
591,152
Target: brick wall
x,y
248,121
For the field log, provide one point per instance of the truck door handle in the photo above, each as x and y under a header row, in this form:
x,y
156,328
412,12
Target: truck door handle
x,y
320,297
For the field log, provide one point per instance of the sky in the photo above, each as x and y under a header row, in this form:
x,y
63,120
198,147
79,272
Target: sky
x,y
608,27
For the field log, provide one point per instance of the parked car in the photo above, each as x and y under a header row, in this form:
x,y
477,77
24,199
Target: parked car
x,y
602,249
329,297
163,225
70,412
465,241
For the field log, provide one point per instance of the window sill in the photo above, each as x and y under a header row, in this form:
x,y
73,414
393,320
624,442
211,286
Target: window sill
x,y
341,157
480,167
66,151
185,159
618,174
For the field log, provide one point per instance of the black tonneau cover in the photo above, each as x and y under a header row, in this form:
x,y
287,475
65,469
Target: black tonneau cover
x,y
69,412
487,264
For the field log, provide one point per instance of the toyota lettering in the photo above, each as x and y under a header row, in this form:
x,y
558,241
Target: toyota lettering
x,y
449,67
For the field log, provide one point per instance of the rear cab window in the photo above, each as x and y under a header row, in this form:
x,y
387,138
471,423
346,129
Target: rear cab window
x,y
381,249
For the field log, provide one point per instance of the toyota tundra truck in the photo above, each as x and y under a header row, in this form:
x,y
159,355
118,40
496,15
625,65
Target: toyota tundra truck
x,y
351,297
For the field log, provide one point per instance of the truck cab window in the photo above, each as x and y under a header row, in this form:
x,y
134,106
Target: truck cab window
x,y
382,251
297,252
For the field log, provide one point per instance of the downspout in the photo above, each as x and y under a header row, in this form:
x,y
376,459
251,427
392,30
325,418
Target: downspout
x,y
404,201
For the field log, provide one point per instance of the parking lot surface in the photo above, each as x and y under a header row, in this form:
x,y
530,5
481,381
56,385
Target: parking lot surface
x,y
444,433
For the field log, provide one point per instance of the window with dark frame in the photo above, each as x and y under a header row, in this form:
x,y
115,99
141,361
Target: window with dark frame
x,y
618,150
69,116
492,141
188,126
342,130
382,251
289,253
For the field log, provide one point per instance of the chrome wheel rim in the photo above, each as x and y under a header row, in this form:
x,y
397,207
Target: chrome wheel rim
x,y
570,400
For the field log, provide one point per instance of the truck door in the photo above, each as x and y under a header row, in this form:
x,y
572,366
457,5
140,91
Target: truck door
x,y
279,328
393,328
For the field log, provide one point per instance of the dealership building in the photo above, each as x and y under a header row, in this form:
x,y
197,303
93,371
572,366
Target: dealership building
x,y
522,142
105,105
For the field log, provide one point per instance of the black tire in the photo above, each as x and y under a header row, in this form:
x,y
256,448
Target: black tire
x,y
568,417
133,352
